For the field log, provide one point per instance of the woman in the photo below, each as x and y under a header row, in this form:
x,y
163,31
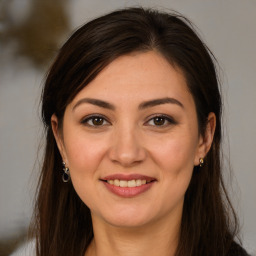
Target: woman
x,y
132,166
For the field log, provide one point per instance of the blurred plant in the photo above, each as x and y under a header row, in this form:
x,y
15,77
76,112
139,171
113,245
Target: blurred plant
x,y
38,33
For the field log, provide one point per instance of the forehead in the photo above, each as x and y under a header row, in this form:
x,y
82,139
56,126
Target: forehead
x,y
140,76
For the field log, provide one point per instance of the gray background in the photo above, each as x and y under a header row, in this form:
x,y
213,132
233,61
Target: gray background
x,y
229,29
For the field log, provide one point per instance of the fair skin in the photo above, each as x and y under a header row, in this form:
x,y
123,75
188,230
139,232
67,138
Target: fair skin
x,y
136,119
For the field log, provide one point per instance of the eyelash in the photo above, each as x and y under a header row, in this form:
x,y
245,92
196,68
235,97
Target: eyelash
x,y
167,121
93,117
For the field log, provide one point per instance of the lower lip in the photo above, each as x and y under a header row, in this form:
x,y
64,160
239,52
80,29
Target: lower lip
x,y
128,192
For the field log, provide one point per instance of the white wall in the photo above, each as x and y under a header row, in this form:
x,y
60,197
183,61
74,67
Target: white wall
x,y
229,28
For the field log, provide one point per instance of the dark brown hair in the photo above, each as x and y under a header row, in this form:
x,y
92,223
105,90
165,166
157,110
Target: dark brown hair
x,y
63,221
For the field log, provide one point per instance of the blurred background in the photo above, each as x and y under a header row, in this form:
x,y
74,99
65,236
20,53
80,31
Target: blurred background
x,y
31,32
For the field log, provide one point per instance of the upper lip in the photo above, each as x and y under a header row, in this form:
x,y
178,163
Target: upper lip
x,y
120,176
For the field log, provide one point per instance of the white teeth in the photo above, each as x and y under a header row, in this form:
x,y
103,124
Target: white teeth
x,y
125,183
116,183
138,183
131,183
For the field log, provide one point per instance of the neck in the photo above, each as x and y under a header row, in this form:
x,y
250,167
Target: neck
x,y
158,238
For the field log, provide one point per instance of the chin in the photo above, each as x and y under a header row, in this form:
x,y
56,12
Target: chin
x,y
127,222
128,218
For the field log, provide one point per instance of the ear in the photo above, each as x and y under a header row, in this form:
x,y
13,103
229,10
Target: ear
x,y
205,140
58,137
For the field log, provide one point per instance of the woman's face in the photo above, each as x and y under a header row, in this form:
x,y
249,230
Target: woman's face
x,y
135,123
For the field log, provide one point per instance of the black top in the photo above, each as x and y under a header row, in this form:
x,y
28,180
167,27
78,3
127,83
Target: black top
x,y
237,250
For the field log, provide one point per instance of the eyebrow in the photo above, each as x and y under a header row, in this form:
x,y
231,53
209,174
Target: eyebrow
x,y
96,102
155,102
143,105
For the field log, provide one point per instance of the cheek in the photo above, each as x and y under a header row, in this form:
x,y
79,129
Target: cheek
x,y
83,152
84,155
175,157
176,154
176,161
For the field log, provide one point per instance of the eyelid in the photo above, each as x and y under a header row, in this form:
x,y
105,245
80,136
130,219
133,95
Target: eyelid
x,y
85,120
171,120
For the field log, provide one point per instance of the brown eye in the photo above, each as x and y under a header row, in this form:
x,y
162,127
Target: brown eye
x,y
94,121
159,120
97,121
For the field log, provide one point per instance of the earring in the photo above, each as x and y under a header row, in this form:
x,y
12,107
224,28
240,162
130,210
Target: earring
x,y
66,174
201,162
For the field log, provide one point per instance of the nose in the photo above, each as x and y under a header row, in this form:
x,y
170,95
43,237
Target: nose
x,y
127,147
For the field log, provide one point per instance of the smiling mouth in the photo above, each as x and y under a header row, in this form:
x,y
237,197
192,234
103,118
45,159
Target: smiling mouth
x,y
128,183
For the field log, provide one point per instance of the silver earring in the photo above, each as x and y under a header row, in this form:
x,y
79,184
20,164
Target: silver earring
x,y
66,174
201,162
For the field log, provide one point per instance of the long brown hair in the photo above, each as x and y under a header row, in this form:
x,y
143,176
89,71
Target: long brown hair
x,y
62,221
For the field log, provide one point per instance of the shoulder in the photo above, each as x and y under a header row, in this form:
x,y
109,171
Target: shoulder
x,y
237,250
27,249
